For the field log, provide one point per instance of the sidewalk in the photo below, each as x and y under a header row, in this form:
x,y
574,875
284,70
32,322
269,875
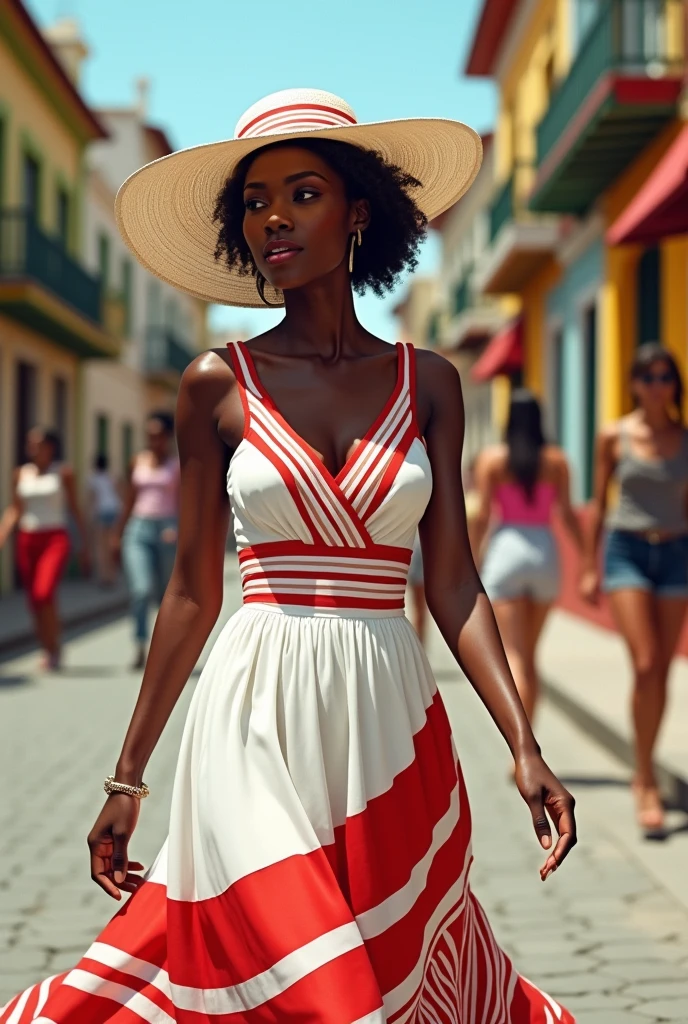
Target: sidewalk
x,y
81,602
586,673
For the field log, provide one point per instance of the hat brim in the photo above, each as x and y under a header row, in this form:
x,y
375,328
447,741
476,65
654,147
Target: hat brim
x,y
165,210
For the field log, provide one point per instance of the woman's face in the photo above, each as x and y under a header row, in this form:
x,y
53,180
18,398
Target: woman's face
x,y
157,438
655,387
298,221
39,450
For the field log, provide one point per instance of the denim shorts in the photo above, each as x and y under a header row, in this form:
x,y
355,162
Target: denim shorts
x,y
521,561
632,562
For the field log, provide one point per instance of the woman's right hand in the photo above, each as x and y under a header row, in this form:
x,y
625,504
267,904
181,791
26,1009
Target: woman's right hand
x,y
108,842
589,585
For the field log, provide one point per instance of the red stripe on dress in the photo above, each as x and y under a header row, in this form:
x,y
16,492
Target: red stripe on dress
x,y
383,552
120,977
403,818
139,927
377,424
239,374
295,106
339,992
306,487
289,481
260,919
395,952
391,472
73,1006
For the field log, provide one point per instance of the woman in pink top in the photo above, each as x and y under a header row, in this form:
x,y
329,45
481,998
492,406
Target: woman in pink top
x,y
520,483
147,529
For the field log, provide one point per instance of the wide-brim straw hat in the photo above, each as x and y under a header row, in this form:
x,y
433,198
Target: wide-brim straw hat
x,y
165,210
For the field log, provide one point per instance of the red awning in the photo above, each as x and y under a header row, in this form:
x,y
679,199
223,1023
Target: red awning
x,y
660,208
503,355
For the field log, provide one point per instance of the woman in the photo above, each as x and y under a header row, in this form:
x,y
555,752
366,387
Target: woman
x,y
147,526
523,481
106,505
43,494
646,550
316,868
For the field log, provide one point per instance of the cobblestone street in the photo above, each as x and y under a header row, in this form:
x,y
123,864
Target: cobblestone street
x,y
608,934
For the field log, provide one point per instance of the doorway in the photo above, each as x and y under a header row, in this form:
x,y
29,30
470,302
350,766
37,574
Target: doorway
x,y
25,408
590,400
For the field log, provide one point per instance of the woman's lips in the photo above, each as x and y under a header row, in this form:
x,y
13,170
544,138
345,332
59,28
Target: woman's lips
x,y
275,254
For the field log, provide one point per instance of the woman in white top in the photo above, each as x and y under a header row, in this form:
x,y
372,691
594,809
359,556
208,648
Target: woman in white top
x,y
44,492
106,506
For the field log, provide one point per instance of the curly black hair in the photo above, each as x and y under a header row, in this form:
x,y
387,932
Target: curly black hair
x,y
391,241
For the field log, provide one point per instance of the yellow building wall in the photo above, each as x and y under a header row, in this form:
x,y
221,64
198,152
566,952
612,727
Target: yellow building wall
x,y
535,311
32,126
674,298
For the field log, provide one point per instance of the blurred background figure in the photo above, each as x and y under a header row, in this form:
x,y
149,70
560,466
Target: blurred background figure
x,y
147,527
417,587
646,549
44,494
106,506
521,483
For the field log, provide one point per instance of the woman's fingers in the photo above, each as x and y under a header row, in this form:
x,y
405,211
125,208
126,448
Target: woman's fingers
x,y
120,859
562,811
541,825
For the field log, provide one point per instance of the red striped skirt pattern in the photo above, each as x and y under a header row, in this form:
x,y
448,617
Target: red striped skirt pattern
x,y
317,867
362,580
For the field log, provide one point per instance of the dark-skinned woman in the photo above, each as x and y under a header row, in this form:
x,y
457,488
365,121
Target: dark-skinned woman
x,y
318,856
646,551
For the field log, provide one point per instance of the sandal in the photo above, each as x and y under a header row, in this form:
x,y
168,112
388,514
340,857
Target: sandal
x,y
649,811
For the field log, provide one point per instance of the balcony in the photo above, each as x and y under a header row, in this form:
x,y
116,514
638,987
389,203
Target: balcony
x,y
520,243
473,317
43,287
621,90
166,356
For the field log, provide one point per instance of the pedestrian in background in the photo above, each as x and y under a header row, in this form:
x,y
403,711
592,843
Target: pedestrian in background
x,y
646,549
521,483
106,506
147,527
44,494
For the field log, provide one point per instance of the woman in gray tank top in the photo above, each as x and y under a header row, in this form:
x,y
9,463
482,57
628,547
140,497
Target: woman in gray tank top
x,y
646,548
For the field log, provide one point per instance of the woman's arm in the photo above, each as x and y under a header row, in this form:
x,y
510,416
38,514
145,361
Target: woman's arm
x,y
69,484
566,510
189,609
485,484
12,513
463,613
128,502
605,465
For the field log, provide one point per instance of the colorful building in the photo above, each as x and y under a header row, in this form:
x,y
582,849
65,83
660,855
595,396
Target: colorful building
x,y
51,318
591,118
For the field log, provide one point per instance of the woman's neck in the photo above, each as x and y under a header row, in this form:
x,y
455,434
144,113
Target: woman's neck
x,y
656,419
321,317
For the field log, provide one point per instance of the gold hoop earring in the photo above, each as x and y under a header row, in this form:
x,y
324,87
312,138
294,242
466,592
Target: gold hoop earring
x,y
357,237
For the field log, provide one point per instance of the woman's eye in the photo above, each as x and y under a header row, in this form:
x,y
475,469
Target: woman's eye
x,y
255,203
306,193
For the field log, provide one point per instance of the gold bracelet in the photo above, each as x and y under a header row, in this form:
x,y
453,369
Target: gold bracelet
x,y
111,786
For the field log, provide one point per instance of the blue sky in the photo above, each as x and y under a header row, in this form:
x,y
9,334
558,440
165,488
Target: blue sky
x,y
209,60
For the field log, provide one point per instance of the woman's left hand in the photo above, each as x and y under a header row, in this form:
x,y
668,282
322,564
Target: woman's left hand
x,y
544,794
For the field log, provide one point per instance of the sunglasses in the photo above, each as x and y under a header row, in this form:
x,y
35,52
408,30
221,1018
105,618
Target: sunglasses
x,y
657,378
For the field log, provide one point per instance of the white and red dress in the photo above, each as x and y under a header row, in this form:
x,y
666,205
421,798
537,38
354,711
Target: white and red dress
x,y
317,864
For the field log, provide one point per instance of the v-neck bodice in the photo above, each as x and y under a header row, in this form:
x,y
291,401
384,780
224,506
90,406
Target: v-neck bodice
x,y
281,490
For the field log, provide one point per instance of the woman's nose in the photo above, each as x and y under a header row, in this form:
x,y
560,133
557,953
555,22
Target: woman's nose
x,y
278,222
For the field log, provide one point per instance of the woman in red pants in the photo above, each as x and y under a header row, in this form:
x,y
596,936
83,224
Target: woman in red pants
x,y
44,493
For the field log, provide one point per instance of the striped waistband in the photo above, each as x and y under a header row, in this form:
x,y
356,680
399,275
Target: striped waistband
x,y
326,579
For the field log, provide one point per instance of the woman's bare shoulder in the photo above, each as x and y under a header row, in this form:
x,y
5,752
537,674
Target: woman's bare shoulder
x,y
209,376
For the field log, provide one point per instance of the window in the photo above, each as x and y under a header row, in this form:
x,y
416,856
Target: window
x,y
127,295
31,186
649,297
102,435
104,259
127,446
63,218
25,408
61,411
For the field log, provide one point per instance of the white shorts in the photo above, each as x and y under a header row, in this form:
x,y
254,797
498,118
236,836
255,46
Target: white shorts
x,y
522,561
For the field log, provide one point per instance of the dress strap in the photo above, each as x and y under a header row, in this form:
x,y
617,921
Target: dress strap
x,y
242,371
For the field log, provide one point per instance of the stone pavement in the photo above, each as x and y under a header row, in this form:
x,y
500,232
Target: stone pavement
x,y
608,934
81,602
